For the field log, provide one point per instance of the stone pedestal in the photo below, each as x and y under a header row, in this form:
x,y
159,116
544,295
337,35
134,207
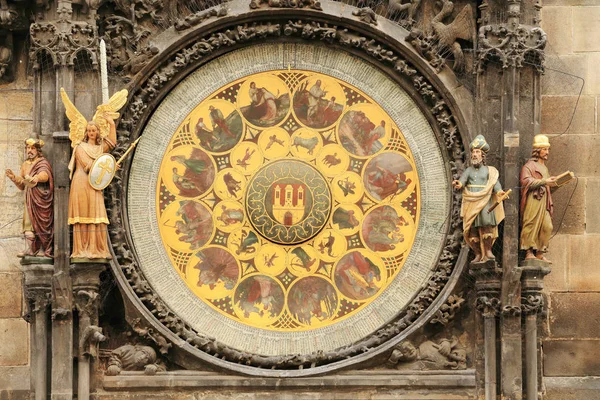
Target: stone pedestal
x,y
86,281
532,303
38,287
488,278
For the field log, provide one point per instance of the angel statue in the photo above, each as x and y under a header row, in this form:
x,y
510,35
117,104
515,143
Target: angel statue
x,y
90,140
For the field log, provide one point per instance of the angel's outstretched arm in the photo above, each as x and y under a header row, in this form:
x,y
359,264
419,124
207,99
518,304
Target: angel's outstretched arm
x,y
112,133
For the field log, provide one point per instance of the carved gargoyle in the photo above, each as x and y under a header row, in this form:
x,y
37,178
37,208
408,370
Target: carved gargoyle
x,y
446,354
133,358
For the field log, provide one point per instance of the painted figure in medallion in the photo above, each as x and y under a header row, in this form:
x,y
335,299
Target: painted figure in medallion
x,y
359,135
357,277
481,190
216,266
385,176
312,297
259,294
196,225
312,107
198,175
381,229
225,133
536,200
35,179
90,140
266,108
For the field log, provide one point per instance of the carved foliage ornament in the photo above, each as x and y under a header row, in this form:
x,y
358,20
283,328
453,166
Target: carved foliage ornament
x,y
150,90
63,47
511,45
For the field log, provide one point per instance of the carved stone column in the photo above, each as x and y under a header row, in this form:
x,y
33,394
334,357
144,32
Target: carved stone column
x,y
86,281
506,43
532,304
487,285
38,286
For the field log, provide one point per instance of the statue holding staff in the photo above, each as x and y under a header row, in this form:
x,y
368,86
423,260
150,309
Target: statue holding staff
x,y
35,179
481,192
90,141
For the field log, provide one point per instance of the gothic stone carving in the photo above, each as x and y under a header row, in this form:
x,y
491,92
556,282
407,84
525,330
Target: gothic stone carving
x,y
439,37
63,47
511,44
313,4
366,15
446,312
446,354
195,53
133,358
199,17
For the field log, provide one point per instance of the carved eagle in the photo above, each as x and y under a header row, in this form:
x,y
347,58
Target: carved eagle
x,y
463,27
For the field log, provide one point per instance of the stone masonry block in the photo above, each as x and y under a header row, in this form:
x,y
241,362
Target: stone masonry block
x,y
14,378
17,105
592,77
560,113
9,247
547,3
575,315
584,274
11,295
571,358
572,388
14,342
555,80
587,29
569,207
577,153
559,248
592,214
558,24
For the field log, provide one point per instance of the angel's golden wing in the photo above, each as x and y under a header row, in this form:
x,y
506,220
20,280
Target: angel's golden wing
x,y
78,122
114,104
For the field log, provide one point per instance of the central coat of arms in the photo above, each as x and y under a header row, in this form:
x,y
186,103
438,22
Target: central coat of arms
x,y
288,201
289,205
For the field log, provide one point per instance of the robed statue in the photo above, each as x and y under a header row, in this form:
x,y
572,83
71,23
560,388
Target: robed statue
x,y
536,200
90,141
35,179
482,208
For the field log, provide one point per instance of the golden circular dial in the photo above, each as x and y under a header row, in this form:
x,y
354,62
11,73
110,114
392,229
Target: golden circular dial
x,y
288,200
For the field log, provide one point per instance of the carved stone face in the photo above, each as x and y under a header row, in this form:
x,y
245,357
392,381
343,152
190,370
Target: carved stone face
x,y
544,153
476,157
31,151
142,358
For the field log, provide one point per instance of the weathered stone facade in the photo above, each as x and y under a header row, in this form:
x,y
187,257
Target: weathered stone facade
x,y
464,84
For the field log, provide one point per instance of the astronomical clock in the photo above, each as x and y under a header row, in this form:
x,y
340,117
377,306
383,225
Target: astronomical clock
x,y
285,212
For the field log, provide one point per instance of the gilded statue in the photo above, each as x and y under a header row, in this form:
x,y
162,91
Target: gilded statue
x,y
536,200
35,179
481,192
90,140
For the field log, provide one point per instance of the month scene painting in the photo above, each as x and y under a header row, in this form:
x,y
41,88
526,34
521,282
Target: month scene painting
x,y
288,200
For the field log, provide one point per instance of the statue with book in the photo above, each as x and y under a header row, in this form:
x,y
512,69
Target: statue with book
x,y
536,200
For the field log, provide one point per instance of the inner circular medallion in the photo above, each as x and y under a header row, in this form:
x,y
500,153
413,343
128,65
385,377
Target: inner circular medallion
x,y
288,201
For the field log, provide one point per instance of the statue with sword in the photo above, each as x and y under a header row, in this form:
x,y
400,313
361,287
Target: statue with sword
x,y
92,168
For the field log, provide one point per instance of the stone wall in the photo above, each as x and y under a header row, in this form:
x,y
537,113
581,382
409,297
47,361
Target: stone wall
x,y
571,348
16,110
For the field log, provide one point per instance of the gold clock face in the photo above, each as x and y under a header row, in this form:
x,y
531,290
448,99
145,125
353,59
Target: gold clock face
x,y
288,200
